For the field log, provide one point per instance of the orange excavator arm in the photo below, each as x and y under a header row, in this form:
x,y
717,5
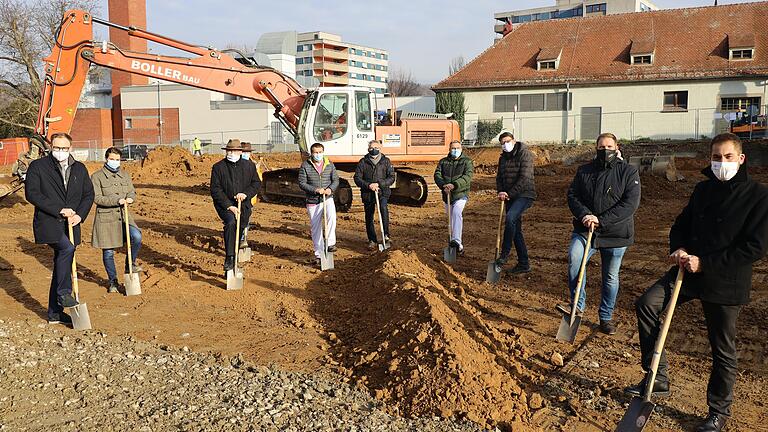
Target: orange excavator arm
x,y
75,50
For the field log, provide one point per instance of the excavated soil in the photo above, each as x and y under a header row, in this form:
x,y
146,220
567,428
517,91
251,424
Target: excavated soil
x,y
422,337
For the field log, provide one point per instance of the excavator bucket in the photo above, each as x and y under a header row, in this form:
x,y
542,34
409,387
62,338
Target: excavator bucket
x,y
9,185
656,165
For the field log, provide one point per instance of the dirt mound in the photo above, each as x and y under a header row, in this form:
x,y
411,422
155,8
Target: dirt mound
x,y
413,339
175,162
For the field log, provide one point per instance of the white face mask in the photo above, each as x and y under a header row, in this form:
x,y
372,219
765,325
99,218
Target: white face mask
x,y
233,157
508,146
114,164
59,155
725,171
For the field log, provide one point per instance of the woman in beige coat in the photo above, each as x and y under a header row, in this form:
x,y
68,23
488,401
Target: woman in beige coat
x,y
112,189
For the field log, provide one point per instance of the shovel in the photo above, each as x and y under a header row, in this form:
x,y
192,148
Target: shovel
x,y
640,409
569,325
494,269
245,253
131,280
79,313
449,253
326,259
235,276
383,245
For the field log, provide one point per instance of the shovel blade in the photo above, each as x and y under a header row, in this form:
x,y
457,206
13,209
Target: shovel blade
x,y
637,415
80,318
383,246
449,254
494,273
132,284
244,255
326,261
567,331
234,280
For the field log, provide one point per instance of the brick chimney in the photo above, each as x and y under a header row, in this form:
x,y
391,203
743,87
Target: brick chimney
x,y
127,13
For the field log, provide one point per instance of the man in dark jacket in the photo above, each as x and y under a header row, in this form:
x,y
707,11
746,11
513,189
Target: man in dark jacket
x,y
514,184
319,180
454,175
716,238
375,172
603,196
61,191
233,180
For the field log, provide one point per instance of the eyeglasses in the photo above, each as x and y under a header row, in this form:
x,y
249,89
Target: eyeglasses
x,y
61,148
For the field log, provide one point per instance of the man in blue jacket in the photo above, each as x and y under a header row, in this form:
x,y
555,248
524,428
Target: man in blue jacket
x,y
603,196
61,190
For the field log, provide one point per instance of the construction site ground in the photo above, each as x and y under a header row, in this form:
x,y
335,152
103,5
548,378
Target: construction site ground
x,y
422,337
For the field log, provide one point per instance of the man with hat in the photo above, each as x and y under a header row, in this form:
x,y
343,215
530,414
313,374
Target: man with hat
x,y
233,180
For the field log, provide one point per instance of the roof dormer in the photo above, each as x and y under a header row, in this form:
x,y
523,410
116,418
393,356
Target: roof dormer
x,y
549,58
642,52
741,46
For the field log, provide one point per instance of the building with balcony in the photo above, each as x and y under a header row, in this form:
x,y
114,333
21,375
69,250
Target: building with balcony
x,y
334,62
569,9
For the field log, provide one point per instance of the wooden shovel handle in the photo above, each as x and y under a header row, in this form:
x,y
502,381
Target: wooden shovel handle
x,y
498,229
663,333
580,279
75,284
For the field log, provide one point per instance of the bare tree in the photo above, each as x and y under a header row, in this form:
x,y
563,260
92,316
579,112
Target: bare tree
x,y
27,34
455,65
402,83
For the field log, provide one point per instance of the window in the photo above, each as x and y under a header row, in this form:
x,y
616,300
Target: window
x,y
300,48
596,8
128,123
548,65
504,103
331,117
742,54
676,101
532,102
307,60
363,111
557,101
739,103
299,60
644,59
384,56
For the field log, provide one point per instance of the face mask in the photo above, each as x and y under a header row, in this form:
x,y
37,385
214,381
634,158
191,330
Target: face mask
x,y
606,157
456,153
508,146
60,156
374,151
317,157
114,164
725,171
246,156
233,157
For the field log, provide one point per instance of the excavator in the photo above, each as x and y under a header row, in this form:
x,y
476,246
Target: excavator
x,y
341,118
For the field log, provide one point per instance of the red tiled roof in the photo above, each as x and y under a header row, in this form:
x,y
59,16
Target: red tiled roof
x,y
689,44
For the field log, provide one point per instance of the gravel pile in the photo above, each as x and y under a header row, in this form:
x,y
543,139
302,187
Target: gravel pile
x,y
52,378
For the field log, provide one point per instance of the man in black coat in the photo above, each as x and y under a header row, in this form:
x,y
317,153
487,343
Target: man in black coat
x,y
233,179
61,190
604,196
515,186
717,238
375,172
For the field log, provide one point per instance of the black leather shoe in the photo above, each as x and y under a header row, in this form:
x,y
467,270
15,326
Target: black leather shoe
x,y
113,286
713,423
566,309
332,248
608,327
519,268
62,319
229,263
67,301
660,388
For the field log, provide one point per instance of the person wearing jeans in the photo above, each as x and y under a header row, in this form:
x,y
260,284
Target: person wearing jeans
x,y
603,197
454,174
113,188
515,186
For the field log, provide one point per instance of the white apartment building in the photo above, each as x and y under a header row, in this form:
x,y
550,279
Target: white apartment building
x,y
338,63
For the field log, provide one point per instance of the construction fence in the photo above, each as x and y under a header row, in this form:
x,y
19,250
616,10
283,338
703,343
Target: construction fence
x,y
574,127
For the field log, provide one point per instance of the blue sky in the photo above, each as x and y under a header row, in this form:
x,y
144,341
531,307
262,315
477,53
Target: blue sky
x,y
422,36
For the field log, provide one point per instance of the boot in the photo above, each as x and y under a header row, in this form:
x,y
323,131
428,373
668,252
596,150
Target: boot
x,y
67,301
113,286
660,387
713,423
229,263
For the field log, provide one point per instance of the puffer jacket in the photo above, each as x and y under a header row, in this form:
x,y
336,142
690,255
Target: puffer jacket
x,y
310,179
515,173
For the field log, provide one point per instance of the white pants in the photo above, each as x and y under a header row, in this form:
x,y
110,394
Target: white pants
x,y
457,220
315,212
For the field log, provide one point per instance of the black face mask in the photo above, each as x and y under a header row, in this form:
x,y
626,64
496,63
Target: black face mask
x,y
605,157
374,151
